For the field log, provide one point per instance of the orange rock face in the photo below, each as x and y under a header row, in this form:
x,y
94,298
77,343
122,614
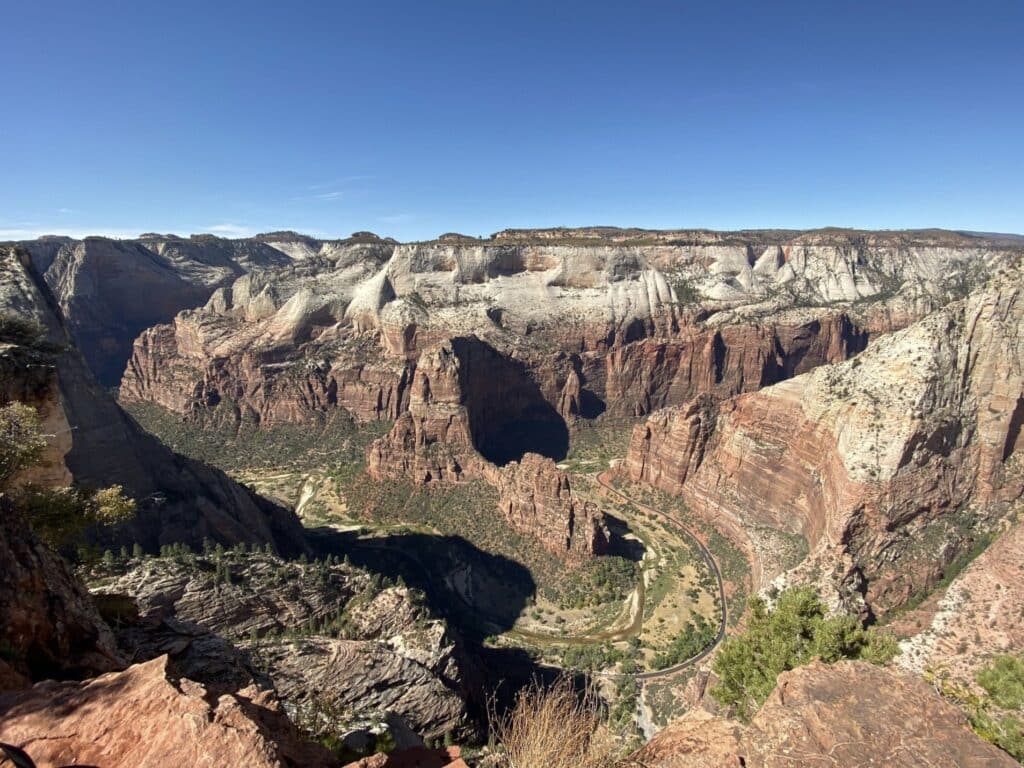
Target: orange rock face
x,y
139,717
536,499
436,441
845,714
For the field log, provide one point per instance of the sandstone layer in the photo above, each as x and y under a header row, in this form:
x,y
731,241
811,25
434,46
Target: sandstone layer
x,y
890,464
141,717
847,714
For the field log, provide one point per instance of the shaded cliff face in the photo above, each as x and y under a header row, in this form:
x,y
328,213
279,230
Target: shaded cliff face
x,y
850,713
889,464
178,499
50,628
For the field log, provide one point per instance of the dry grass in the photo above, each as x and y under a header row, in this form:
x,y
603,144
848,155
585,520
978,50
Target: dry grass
x,y
557,727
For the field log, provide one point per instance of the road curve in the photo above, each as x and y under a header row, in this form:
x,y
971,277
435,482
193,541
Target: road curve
x,y
711,563
709,559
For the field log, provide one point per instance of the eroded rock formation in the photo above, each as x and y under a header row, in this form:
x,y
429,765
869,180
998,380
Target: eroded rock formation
x,y
846,714
328,636
142,717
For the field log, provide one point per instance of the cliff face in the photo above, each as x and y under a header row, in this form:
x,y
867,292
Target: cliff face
x,y
99,445
601,327
885,463
469,406
50,627
109,291
849,713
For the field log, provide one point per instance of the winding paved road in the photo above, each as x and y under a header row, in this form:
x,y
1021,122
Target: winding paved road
x,y
712,565
637,623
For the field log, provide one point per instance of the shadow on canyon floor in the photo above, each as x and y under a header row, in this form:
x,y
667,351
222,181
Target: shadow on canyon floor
x,y
478,593
618,544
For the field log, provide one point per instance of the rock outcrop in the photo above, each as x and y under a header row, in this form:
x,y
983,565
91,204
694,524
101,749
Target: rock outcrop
x,y
142,717
846,714
887,464
50,628
328,636
535,498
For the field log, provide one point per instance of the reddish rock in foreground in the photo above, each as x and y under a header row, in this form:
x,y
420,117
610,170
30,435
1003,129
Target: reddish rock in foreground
x,y
846,714
140,717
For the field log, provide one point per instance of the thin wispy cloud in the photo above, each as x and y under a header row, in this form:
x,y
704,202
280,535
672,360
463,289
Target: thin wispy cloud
x,y
230,230
329,195
65,211
32,232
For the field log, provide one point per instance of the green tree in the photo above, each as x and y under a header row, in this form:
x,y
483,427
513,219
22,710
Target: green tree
x,y
60,516
797,630
21,440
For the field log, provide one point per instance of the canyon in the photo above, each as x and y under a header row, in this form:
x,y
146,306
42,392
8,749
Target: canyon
x,y
481,352
861,392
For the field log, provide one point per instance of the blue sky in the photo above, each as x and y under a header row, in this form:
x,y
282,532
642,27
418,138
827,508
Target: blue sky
x,y
418,117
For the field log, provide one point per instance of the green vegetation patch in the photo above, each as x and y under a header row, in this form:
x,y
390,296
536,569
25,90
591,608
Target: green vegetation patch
x,y
235,443
795,631
998,715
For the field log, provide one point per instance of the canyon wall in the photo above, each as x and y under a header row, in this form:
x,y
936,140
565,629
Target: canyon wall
x,y
887,464
97,444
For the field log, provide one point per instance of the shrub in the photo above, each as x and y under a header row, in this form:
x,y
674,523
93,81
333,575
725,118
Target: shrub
x,y
21,440
1003,680
796,631
59,516
556,728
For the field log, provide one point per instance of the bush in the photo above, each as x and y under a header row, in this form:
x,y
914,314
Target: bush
x,y
995,717
796,631
21,440
1003,680
556,728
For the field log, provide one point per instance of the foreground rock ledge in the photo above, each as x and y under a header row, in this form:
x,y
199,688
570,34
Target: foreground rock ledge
x,y
139,717
846,714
